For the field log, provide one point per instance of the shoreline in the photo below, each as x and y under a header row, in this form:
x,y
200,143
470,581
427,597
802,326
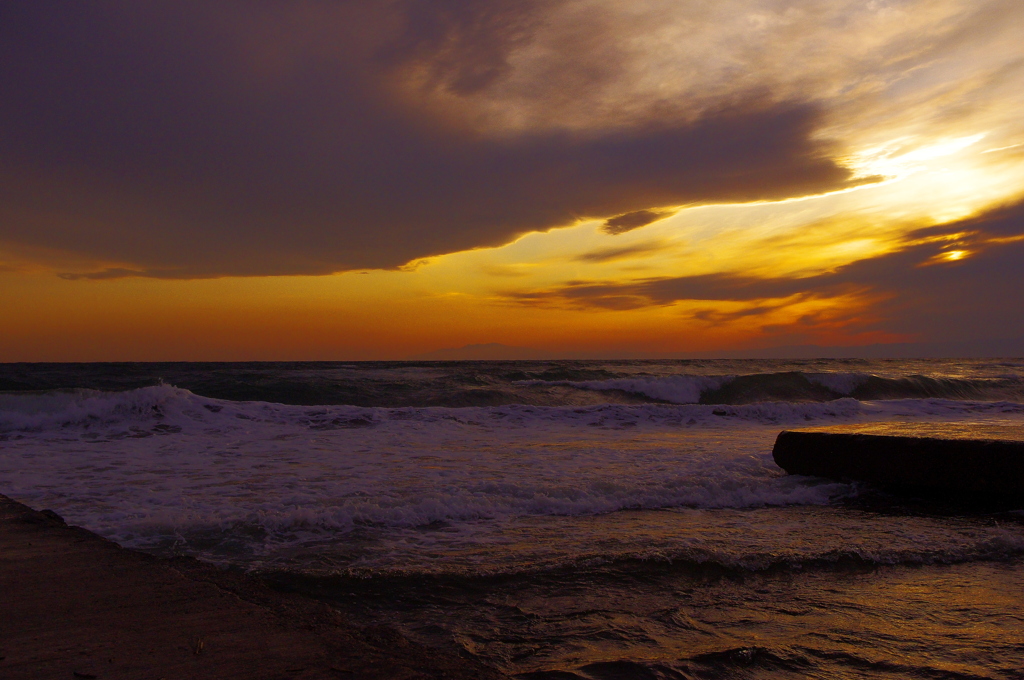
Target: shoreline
x,y
76,605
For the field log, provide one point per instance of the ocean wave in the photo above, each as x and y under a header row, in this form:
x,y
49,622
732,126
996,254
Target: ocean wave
x,y
145,464
729,487
997,545
675,389
166,409
801,387
555,383
35,411
990,545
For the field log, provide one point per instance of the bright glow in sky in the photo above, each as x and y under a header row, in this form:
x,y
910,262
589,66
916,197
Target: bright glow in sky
x,y
917,101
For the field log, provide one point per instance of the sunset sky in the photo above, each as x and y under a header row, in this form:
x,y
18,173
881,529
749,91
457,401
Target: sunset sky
x,y
349,179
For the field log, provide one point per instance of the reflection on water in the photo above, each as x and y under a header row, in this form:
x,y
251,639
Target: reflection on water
x,y
772,593
598,520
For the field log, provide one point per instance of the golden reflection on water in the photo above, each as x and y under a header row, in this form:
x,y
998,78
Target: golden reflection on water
x,y
827,617
992,430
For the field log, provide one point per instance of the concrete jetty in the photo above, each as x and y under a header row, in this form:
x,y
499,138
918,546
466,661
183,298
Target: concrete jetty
x,y
952,461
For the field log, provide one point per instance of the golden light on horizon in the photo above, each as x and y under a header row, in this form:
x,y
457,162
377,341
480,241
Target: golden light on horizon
x,y
815,152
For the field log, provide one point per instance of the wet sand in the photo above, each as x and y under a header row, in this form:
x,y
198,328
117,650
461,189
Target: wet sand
x,y
75,605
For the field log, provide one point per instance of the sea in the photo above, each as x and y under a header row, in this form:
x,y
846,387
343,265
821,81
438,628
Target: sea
x,y
558,520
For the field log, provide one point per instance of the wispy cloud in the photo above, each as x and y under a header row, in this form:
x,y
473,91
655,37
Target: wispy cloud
x,y
631,251
917,289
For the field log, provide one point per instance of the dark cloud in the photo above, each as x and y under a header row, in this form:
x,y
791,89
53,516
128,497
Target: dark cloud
x,y
665,291
620,224
718,316
191,139
919,289
122,273
610,296
623,252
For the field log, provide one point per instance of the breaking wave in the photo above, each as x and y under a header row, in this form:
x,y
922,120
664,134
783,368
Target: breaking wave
x,y
993,545
802,387
165,408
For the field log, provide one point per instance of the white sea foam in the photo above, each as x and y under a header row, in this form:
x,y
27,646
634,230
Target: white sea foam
x,y
677,389
148,465
62,408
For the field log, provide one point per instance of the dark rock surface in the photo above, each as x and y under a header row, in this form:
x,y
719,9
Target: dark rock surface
x,y
962,463
74,605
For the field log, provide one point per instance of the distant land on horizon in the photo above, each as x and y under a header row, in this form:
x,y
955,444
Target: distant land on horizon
x,y
491,351
495,351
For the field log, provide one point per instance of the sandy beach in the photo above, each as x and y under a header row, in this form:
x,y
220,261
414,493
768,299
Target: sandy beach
x,y
76,605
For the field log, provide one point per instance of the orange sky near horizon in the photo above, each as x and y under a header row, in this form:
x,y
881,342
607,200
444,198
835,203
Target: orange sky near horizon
x,y
917,102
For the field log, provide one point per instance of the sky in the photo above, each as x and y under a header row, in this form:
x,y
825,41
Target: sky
x,y
378,179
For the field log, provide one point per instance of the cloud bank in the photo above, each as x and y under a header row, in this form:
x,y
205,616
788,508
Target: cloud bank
x,y
960,281
193,139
